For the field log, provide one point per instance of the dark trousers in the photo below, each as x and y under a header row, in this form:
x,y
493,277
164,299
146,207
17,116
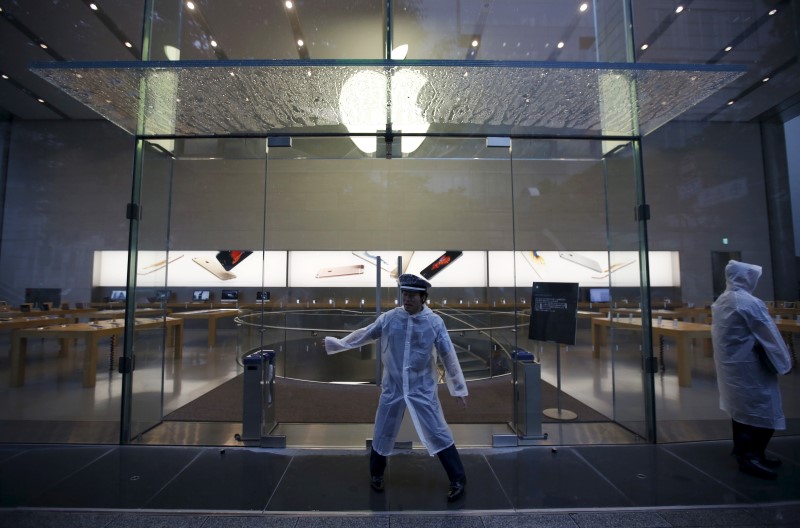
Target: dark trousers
x,y
450,459
750,441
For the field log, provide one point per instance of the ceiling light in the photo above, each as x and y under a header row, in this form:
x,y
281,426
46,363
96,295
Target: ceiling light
x,y
584,7
560,45
43,45
729,48
765,79
300,43
773,12
190,5
679,9
213,43
128,44
645,46
730,102
93,7
289,4
4,76
475,43
40,100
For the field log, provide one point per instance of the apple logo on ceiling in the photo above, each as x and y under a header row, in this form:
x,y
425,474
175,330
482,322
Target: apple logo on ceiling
x,y
364,98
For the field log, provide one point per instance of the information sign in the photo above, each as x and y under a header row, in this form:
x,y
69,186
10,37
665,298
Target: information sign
x,y
554,312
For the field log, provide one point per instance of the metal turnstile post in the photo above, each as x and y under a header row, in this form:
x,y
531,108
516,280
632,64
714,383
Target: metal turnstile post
x,y
258,401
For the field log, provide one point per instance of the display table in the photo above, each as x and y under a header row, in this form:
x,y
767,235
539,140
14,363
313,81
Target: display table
x,y
213,316
91,333
682,333
119,314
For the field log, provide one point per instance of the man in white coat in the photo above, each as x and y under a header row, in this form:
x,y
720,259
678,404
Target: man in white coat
x,y
410,339
749,353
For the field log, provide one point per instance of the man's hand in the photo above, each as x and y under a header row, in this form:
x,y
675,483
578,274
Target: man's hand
x,y
462,400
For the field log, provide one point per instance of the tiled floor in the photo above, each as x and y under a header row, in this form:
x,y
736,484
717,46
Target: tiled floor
x,y
689,484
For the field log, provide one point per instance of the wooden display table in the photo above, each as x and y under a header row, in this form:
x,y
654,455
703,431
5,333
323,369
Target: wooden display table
x,y
213,316
682,333
91,333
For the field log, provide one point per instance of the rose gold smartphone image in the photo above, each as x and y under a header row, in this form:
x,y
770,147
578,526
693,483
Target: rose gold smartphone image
x,y
214,267
355,269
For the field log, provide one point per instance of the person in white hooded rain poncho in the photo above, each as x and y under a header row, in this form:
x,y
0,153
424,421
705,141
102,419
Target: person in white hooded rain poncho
x,y
411,337
749,353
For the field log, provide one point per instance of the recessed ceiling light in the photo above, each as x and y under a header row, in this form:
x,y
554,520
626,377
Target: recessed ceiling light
x,y
765,79
43,45
213,43
190,5
730,102
679,9
729,48
4,76
289,4
773,12
93,7
475,43
40,100
300,43
128,44
584,7
645,46
560,45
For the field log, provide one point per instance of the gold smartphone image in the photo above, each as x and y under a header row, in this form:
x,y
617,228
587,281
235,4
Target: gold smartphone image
x,y
214,267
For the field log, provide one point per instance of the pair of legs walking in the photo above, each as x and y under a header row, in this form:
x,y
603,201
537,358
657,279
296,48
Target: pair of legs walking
x,y
450,459
749,446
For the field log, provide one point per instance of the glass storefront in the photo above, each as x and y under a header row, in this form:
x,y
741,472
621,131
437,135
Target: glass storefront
x,y
274,194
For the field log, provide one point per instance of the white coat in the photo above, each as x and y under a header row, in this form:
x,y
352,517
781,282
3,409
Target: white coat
x,y
409,375
748,387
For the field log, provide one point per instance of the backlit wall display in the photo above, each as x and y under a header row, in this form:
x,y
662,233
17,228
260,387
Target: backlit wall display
x,y
588,268
212,268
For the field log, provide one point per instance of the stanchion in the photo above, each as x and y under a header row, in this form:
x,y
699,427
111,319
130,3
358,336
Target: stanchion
x,y
558,413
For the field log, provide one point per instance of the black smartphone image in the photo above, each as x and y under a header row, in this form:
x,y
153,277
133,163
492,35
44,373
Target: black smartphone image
x,y
440,263
229,258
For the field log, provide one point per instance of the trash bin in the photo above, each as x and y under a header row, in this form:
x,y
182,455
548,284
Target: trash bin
x,y
528,395
258,414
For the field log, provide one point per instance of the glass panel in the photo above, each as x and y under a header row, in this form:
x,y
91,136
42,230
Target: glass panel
x,y
152,296
66,184
207,98
625,318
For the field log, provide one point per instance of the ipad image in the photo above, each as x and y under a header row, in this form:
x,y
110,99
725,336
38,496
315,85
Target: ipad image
x,y
152,268
536,262
356,269
214,267
581,260
231,257
372,259
440,263
406,258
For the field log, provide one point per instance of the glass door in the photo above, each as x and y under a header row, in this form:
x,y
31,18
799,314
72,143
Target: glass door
x,y
347,217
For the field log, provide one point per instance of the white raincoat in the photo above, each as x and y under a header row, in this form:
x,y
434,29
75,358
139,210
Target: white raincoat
x,y
748,387
409,375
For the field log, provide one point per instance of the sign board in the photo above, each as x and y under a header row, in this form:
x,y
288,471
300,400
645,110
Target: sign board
x,y
554,312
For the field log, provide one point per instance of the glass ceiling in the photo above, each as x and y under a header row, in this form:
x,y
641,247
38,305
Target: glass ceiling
x,y
232,98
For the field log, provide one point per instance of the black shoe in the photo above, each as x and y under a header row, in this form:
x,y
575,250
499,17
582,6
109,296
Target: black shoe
x,y
753,467
769,461
376,483
456,490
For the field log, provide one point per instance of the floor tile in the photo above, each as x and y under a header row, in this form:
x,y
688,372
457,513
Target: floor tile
x,y
225,479
714,459
47,519
529,520
651,476
26,476
539,477
620,520
710,517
